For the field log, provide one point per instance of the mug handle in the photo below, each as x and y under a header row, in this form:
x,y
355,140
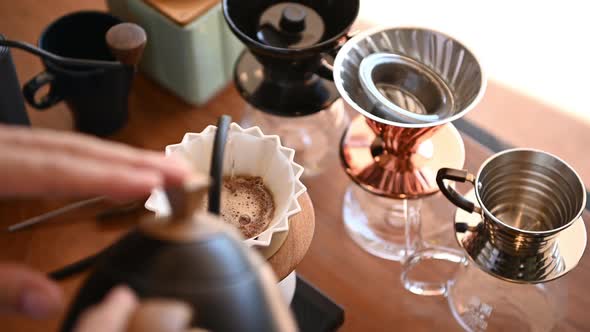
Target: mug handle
x,y
32,86
450,193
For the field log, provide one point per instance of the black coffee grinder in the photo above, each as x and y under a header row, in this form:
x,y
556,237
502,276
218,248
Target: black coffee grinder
x,y
285,74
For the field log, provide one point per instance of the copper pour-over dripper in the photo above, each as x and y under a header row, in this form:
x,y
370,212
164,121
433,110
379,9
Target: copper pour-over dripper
x,y
408,84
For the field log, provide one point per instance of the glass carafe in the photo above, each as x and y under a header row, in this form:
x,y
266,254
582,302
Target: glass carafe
x,y
481,302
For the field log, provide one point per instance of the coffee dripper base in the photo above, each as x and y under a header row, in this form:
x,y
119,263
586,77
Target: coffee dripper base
x,y
376,224
384,198
393,229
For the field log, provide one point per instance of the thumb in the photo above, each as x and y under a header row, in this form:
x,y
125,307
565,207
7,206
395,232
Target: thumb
x,y
28,292
111,315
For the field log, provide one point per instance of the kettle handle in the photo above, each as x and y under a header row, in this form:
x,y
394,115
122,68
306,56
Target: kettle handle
x,y
216,171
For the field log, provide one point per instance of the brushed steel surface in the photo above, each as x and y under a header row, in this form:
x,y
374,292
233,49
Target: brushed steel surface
x,y
405,90
433,59
530,229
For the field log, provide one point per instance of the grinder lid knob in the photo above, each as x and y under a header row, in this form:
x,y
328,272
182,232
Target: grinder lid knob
x,y
293,19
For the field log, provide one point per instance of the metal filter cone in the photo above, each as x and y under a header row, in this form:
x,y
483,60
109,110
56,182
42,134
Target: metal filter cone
x,y
414,70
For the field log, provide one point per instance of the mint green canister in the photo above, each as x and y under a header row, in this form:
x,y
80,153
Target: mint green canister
x,y
190,50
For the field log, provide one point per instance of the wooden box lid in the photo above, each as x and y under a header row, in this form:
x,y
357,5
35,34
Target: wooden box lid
x,y
182,12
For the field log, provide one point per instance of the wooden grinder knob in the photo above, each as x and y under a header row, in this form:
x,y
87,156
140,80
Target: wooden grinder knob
x,y
127,42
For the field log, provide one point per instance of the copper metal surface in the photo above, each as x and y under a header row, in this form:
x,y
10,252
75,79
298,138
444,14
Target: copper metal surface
x,y
418,71
398,162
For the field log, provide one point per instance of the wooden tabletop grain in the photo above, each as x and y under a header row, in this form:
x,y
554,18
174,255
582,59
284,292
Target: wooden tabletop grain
x,y
367,287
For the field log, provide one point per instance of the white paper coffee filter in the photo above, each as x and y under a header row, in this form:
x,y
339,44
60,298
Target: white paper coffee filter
x,y
247,152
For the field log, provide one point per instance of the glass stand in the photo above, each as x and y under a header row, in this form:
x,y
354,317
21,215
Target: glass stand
x,y
392,228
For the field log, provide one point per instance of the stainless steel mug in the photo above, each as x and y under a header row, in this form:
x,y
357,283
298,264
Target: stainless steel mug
x,y
526,199
12,103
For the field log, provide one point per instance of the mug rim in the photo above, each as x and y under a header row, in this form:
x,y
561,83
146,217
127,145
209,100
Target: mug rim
x,y
53,66
489,214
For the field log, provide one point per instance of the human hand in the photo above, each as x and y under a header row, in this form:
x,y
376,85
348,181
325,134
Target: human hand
x,y
37,162
111,315
28,292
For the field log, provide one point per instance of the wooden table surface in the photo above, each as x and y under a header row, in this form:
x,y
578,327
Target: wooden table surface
x,y
367,287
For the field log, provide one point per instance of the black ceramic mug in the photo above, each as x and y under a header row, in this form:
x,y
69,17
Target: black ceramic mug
x,y
12,105
97,97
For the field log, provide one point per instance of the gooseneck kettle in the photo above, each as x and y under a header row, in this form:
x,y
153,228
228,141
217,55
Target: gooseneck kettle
x,y
195,258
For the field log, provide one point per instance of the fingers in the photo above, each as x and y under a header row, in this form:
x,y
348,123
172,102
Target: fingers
x,y
111,315
160,315
28,292
85,146
37,174
41,161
